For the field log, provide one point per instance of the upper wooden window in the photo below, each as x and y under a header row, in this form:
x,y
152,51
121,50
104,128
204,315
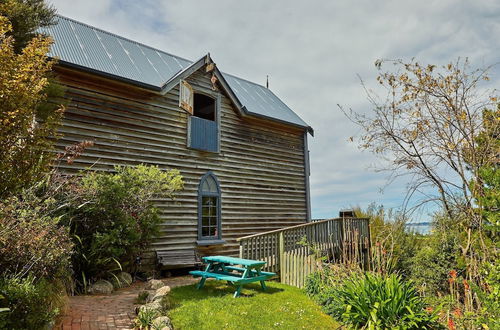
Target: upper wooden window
x,y
203,131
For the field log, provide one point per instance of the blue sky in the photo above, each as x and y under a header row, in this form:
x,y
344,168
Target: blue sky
x,y
313,52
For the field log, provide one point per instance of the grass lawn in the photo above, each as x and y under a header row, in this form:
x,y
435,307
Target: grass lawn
x,y
214,307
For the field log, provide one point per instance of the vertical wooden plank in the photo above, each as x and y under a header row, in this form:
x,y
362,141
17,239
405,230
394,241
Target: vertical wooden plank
x,y
281,252
300,270
296,270
252,249
258,247
265,245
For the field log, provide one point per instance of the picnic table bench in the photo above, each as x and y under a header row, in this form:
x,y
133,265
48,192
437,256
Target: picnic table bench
x,y
225,269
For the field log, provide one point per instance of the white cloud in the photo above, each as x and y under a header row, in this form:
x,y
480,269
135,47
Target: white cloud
x,y
312,51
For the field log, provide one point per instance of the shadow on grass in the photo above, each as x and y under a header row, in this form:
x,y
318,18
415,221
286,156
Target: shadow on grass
x,y
219,289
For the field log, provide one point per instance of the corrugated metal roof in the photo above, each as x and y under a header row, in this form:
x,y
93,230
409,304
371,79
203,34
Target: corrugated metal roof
x,y
85,46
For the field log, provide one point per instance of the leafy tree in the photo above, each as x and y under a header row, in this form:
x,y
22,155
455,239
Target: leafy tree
x,y
26,16
26,118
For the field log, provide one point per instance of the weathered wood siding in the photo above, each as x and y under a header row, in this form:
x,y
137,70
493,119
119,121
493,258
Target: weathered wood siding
x,y
260,165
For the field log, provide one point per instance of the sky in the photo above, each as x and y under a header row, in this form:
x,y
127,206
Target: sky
x,y
315,53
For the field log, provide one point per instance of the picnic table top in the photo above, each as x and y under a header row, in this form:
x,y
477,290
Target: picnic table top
x,y
234,261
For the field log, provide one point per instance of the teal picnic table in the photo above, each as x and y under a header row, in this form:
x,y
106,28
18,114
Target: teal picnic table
x,y
236,271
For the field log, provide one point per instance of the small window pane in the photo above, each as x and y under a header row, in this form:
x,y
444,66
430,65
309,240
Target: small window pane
x,y
205,221
205,211
205,186
212,184
204,231
213,211
213,231
208,201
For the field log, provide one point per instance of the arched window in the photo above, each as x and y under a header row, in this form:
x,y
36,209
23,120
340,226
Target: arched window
x,y
209,210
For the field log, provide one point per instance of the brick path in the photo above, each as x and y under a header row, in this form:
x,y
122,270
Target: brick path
x,y
114,311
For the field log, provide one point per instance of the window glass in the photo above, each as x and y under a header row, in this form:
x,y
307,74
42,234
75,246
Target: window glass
x,y
209,221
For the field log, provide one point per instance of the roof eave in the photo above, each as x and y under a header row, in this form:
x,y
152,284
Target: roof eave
x,y
309,129
107,75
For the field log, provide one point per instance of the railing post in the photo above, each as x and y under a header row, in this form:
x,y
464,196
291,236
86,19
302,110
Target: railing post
x,y
282,256
241,249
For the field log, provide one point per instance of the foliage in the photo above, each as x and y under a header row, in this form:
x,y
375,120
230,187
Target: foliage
x,y
393,247
440,127
26,16
26,119
375,301
440,254
112,216
32,304
145,318
486,186
141,298
31,238
320,284
214,307
490,297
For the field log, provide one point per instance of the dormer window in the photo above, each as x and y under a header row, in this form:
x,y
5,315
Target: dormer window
x,y
203,125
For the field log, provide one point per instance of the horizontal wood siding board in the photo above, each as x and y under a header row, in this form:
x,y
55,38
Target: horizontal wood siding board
x,y
260,165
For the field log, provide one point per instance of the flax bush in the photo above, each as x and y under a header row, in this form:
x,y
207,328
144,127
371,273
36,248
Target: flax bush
x,y
372,301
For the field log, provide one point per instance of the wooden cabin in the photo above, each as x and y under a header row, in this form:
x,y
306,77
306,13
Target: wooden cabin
x,y
242,152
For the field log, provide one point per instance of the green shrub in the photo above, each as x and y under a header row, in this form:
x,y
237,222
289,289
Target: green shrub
x,y
113,219
32,304
374,301
319,284
490,296
431,265
31,239
393,246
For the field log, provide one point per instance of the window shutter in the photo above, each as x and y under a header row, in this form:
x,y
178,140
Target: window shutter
x,y
186,97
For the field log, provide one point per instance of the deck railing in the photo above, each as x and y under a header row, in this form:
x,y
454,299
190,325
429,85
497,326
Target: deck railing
x,y
295,252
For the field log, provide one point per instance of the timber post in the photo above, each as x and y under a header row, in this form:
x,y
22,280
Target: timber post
x,y
282,256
